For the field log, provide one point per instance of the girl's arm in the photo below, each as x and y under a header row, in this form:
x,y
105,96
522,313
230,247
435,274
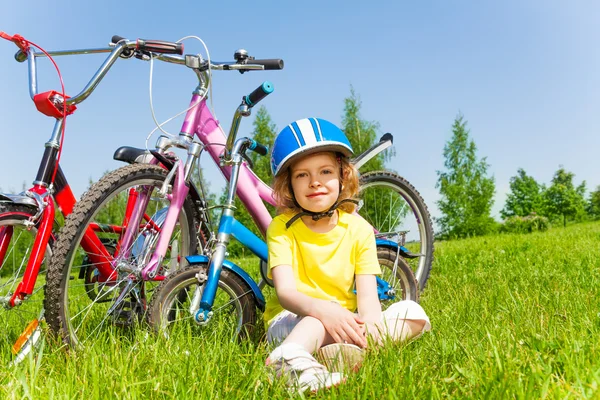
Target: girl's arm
x,y
341,324
369,307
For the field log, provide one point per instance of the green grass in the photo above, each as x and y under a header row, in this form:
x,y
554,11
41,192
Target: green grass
x,y
514,316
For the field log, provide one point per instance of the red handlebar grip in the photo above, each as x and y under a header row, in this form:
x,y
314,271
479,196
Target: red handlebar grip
x,y
160,46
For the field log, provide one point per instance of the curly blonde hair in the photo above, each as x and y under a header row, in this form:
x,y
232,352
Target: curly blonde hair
x,y
284,198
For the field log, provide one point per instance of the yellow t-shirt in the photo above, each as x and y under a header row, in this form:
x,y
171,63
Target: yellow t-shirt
x,y
324,264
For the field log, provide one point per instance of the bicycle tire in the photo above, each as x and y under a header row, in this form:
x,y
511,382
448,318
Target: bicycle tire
x,y
14,320
170,306
386,200
77,317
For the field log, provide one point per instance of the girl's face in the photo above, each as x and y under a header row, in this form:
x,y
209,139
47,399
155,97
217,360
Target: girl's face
x,y
316,181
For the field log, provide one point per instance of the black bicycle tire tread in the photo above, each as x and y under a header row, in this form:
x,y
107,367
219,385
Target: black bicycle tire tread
x,y
393,177
54,278
170,283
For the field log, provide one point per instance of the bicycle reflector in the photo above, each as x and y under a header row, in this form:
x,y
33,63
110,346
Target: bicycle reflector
x,y
50,103
28,334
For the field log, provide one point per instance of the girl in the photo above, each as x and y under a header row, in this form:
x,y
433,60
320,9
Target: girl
x,y
319,251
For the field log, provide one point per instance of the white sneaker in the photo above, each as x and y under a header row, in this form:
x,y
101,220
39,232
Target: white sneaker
x,y
341,357
301,369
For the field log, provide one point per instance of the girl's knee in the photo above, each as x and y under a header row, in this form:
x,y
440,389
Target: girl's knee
x,y
407,310
405,320
314,323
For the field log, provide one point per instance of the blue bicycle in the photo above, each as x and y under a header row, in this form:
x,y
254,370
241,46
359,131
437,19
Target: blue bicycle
x,y
214,292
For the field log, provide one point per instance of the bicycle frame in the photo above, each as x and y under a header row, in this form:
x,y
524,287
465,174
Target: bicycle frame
x,y
43,198
46,190
200,122
252,191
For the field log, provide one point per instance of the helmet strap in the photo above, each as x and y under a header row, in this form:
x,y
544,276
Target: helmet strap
x,y
318,215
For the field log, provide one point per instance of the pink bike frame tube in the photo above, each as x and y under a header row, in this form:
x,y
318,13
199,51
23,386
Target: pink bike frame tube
x,y
135,217
180,192
138,209
251,190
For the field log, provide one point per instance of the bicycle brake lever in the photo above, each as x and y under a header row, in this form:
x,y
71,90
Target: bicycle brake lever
x,y
248,160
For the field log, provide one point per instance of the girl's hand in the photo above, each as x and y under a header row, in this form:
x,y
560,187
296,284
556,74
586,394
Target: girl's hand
x,y
344,326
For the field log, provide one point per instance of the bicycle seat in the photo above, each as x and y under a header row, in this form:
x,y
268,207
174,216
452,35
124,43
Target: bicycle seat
x,y
132,155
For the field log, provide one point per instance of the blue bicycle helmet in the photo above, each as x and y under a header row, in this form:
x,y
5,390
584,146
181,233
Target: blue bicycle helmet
x,y
307,136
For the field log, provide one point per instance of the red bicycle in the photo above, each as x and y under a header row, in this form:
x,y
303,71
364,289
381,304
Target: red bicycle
x,y
28,222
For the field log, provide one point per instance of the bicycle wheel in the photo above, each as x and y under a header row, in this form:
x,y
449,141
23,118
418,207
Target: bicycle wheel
x,y
79,301
18,240
397,212
396,273
177,299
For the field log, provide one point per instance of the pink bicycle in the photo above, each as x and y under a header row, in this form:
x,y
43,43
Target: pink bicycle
x,y
213,287
28,221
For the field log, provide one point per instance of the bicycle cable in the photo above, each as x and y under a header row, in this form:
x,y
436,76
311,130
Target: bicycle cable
x,y
23,43
159,126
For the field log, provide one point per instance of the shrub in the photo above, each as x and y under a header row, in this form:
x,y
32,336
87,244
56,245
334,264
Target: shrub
x,y
528,224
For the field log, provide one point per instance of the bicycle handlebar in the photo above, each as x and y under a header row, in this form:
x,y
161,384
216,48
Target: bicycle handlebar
x,y
154,46
121,47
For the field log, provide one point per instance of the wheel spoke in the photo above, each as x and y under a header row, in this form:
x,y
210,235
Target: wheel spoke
x,y
233,306
14,320
88,304
390,204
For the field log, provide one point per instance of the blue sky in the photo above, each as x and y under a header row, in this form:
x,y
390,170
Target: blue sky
x,y
525,74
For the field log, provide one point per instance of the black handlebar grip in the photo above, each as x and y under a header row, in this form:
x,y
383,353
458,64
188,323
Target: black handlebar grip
x,y
259,148
160,46
259,93
387,136
116,39
272,63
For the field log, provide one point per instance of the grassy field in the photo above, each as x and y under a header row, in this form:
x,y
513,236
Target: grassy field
x,y
514,316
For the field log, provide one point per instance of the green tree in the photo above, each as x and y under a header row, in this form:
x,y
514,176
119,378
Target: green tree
x,y
593,205
264,133
525,196
361,133
563,200
467,193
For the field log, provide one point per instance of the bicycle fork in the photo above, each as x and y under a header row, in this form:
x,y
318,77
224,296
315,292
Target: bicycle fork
x,y
177,178
34,262
206,295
